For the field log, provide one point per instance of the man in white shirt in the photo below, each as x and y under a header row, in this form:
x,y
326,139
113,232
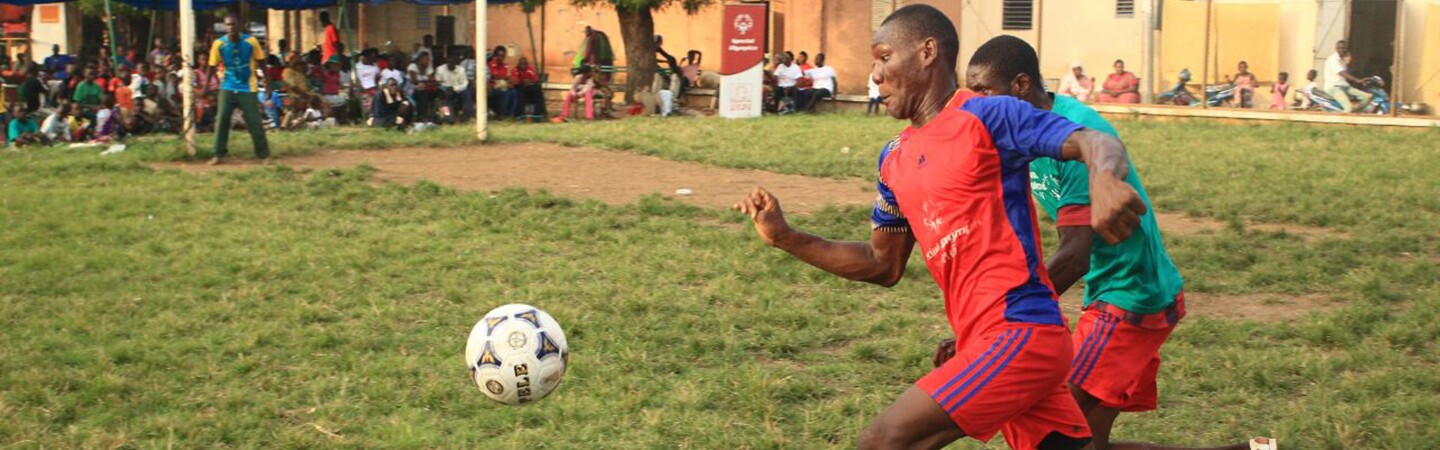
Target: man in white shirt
x,y
1339,83
453,85
822,84
367,74
786,75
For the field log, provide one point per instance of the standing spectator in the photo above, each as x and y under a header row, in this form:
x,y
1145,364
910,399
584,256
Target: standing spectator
x,y
121,78
1244,86
332,37
787,74
88,93
471,72
1076,84
874,94
1338,80
527,81
367,76
424,90
502,97
57,61
1120,87
822,83
59,83
239,52
453,86
23,131
427,46
159,54
1279,92
582,88
32,89
56,127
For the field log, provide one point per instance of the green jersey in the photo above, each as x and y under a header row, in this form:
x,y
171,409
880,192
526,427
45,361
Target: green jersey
x,y
1135,275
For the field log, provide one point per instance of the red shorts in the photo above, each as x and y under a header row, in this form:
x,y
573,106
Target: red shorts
x,y
1010,380
1117,361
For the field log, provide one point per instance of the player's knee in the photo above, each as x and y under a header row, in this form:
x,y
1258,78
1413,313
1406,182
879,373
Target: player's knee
x,y
877,436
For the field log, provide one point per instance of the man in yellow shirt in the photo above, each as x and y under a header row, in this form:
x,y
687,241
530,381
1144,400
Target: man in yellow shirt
x,y
237,52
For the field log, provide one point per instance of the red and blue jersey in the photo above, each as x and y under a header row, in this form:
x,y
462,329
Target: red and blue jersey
x,y
964,179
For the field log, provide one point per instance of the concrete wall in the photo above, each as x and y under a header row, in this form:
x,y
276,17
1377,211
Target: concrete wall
x,y
1421,41
66,31
1249,32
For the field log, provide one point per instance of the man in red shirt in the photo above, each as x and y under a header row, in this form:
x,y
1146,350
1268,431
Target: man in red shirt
x,y
328,45
961,172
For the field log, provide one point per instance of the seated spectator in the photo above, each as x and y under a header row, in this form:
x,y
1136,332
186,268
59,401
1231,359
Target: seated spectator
x,y
690,70
1279,92
822,84
107,122
787,75
803,61
367,78
56,127
7,112
59,84
503,98
1311,87
88,94
1120,87
582,88
121,77
159,54
1244,86
532,95
453,86
330,92
391,107
424,90
1076,84
150,117
23,131
125,105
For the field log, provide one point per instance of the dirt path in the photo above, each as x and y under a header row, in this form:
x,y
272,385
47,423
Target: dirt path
x,y
621,177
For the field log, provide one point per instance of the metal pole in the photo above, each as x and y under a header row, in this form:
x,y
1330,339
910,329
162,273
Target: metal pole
x,y
361,32
110,23
1205,61
1395,62
482,69
187,71
1147,41
150,41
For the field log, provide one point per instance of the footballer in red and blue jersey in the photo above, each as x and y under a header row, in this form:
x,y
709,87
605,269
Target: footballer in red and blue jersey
x,y
955,184
961,185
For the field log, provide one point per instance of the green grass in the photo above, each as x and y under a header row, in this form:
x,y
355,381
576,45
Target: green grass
x,y
143,309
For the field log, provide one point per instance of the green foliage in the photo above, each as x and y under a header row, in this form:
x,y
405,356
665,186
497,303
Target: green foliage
x,y
691,6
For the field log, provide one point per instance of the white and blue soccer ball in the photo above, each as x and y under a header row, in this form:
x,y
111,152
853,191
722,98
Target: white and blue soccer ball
x,y
517,354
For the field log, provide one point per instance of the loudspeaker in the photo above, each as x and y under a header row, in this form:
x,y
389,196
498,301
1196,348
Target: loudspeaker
x,y
444,32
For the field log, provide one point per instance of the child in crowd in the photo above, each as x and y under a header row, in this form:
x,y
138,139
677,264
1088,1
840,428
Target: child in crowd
x,y
1279,91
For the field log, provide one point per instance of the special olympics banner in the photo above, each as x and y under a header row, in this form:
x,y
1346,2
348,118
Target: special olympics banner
x,y
742,89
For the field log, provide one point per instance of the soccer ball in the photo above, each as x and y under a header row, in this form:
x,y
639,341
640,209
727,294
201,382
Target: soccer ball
x,y
516,354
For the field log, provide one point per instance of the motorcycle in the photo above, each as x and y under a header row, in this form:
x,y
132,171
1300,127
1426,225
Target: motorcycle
x,y
1180,95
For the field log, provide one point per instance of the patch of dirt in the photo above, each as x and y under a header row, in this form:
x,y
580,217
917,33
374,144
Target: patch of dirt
x,y
1252,307
609,176
1184,225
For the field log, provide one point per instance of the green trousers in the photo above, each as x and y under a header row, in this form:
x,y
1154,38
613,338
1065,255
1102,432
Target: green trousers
x,y
250,107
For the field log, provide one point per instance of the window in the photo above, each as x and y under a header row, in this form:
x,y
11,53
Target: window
x,y
423,21
879,10
1017,15
1125,8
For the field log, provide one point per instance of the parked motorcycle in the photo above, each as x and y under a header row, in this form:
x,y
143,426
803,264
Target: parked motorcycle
x,y
1180,95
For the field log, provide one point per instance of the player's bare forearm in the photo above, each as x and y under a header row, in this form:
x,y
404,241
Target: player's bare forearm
x,y
1115,206
1072,259
880,261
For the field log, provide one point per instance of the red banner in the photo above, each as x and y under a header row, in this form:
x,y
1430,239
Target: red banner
x,y
742,38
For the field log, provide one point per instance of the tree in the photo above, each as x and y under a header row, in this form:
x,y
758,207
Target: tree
x,y
637,29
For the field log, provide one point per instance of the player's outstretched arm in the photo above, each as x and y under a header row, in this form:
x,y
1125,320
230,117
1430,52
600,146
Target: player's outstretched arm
x,y
880,261
1115,207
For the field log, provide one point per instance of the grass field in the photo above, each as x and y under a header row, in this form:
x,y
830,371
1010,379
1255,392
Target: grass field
x,y
274,308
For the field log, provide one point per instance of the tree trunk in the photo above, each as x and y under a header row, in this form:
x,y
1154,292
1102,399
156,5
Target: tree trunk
x,y
637,28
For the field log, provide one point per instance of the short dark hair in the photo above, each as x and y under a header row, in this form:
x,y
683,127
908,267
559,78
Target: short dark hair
x,y
1008,56
325,16
917,22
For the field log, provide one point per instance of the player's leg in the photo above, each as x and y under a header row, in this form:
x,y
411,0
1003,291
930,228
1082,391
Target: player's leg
x,y
914,421
1102,420
222,126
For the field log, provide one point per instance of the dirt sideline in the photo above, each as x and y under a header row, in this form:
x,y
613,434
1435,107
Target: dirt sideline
x,y
621,177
